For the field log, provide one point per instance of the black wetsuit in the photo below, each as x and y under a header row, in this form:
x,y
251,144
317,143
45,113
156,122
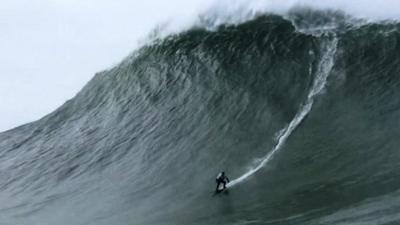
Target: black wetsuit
x,y
221,178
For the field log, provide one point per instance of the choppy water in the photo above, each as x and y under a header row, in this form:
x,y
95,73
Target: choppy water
x,y
302,112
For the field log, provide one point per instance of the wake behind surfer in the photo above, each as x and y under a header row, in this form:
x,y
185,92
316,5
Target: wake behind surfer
x,y
221,179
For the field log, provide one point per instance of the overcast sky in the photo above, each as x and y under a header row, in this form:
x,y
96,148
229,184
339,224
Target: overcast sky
x,y
50,48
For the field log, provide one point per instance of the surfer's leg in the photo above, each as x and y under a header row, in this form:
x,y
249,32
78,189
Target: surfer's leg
x,y
224,184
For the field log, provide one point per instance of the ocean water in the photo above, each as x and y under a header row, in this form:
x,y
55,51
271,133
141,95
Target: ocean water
x,y
300,110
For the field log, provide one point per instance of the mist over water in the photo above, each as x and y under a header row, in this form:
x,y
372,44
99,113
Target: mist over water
x,y
298,107
221,12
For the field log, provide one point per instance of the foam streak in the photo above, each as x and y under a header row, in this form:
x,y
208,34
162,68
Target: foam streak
x,y
322,73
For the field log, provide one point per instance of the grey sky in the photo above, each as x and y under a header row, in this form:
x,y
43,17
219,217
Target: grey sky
x,y
50,48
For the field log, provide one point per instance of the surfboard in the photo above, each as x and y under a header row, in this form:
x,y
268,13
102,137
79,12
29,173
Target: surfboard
x,y
221,189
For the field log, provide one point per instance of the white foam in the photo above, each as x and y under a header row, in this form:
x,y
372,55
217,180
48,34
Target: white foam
x,y
238,11
369,9
218,12
325,66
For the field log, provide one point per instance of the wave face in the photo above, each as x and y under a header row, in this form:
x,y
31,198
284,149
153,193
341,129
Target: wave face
x,y
300,111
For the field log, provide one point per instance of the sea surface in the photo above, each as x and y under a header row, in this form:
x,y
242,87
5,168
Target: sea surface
x,y
301,111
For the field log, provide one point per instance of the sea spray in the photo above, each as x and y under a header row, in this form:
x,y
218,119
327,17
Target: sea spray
x,y
328,47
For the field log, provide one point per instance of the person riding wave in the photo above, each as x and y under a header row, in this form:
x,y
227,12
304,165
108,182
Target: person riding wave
x,y
221,179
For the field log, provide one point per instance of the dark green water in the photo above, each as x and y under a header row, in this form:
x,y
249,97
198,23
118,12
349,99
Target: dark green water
x,y
301,112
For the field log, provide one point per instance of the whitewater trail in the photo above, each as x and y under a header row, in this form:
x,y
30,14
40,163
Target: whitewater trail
x,y
324,68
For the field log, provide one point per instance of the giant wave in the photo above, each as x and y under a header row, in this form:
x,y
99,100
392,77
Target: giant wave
x,y
300,110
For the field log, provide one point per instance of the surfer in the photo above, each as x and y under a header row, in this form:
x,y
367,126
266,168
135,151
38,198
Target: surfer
x,y
221,178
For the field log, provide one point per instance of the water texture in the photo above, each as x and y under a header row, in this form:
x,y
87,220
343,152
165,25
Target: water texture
x,y
301,111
